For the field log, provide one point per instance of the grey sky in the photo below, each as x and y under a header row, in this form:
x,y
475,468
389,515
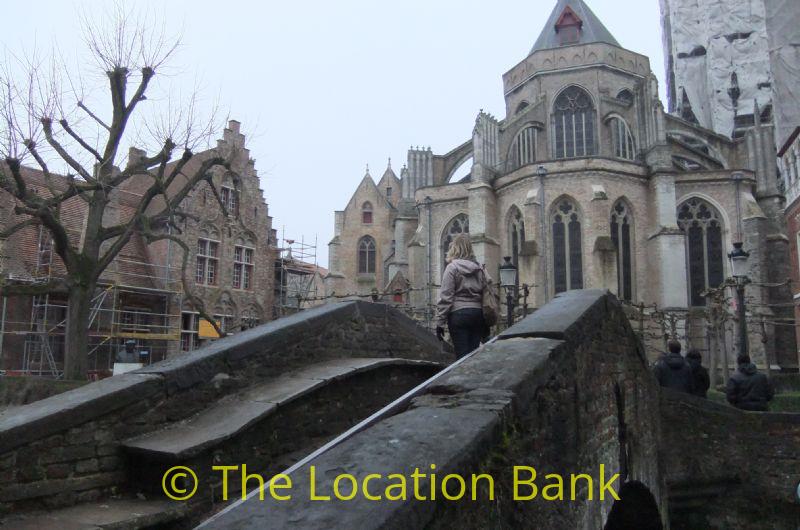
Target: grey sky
x,y
328,87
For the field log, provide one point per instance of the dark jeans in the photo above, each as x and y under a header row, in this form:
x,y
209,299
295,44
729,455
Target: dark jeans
x,y
467,329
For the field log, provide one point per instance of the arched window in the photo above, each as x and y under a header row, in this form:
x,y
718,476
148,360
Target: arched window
x,y
573,124
625,95
521,107
523,148
622,139
366,213
621,228
366,255
458,225
567,256
703,227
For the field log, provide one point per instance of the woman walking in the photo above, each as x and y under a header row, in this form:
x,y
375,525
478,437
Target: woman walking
x,y
460,305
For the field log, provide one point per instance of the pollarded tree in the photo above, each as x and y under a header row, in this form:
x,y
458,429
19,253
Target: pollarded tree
x,y
52,125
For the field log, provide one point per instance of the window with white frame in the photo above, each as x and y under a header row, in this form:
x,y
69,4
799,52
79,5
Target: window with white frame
x,y
243,267
207,262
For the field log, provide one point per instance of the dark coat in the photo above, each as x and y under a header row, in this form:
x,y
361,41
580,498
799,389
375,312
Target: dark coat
x,y
748,389
700,379
672,371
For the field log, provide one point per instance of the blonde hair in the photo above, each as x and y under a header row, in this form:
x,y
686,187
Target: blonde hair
x,y
460,248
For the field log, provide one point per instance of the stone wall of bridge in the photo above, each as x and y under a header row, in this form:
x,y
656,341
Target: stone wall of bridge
x,y
563,391
727,468
66,449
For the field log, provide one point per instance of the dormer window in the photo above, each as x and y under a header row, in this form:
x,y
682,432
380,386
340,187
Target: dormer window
x,y
568,27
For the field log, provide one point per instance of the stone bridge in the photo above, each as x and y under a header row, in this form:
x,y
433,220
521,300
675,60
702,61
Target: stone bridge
x,y
260,397
565,391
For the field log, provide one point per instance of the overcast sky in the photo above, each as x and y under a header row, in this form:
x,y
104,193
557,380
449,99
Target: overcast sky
x,y
326,87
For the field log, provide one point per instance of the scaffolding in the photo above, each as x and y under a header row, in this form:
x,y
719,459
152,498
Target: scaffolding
x,y
296,276
120,311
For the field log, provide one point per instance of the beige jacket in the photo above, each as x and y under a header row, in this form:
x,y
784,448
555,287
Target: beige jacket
x,y
462,287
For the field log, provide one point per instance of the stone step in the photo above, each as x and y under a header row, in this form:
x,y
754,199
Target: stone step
x,y
236,413
114,514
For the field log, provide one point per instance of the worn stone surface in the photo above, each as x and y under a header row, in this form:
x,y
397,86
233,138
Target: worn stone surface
x,y
397,445
48,445
41,418
230,416
561,406
561,318
114,514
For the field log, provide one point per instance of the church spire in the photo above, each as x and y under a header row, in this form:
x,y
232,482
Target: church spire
x,y
572,22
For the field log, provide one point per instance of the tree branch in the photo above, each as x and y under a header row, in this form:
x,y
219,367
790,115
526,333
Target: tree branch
x,y
77,138
139,220
90,113
47,126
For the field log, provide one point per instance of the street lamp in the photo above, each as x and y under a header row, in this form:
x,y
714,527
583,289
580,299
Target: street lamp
x,y
739,270
508,279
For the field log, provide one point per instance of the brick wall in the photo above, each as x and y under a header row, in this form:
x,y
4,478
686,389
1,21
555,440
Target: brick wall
x,y
729,469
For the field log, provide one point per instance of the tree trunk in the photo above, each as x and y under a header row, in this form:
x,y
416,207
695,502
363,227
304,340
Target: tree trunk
x,y
76,345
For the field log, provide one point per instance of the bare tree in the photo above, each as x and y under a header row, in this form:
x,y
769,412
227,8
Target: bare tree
x,y
47,117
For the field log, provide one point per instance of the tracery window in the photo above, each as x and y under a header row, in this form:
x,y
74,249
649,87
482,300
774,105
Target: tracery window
x,y
567,256
523,148
366,255
573,124
622,139
621,228
458,225
703,227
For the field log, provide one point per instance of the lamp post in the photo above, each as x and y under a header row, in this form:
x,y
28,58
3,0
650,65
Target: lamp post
x,y
739,271
508,279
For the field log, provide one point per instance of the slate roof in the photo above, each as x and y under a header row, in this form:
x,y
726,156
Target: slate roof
x,y
592,29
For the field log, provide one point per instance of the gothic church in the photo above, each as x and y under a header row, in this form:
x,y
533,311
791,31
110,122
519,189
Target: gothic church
x,y
585,183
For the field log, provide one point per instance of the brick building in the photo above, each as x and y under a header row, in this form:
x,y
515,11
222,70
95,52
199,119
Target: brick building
x,y
141,295
587,182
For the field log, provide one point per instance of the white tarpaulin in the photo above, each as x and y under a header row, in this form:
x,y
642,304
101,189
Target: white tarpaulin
x,y
710,40
783,30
